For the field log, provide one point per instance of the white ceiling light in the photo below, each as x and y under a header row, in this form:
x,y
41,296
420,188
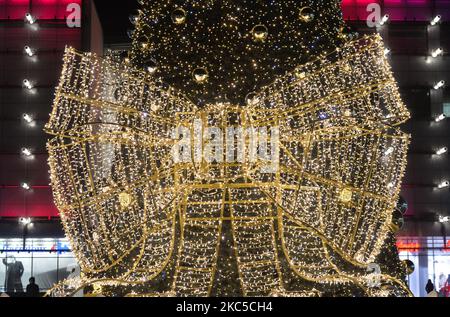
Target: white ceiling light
x,y
441,151
30,19
29,51
384,19
25,186
437,52
439,85
436,20
440,117
389,151
26,152
28,118
27,84
444,184
25,221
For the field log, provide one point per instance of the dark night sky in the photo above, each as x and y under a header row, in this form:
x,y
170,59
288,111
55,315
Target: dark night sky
x,y
114,17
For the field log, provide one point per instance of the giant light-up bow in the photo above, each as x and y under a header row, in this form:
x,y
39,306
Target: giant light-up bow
x,y
131,211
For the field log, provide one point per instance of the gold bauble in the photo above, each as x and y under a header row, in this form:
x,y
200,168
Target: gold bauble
x,y
409,266
151,66
346,195
251,99
260,33
300,74
200,75
306,14
397,221
125,200
346,67
179,16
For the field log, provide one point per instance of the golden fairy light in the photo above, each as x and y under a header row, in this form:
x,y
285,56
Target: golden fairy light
x,y
135,215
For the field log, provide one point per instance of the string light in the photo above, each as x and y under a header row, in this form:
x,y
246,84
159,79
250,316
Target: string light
x,y
133,213
251,54
133,19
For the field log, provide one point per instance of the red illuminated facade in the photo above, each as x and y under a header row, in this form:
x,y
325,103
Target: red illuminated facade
x,y
47,37
41,9
398,10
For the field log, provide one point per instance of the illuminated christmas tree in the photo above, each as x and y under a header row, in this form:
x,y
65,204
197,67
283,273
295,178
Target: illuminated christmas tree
x,y
239,45
244,148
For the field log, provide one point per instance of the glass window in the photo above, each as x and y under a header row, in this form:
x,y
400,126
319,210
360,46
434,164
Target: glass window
x,y
431,257
2,275
45,267
48,260
67,265
17,268
447,109
413,279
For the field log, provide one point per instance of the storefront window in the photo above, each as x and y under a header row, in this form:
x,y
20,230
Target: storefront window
x,y
48,260
447,109
431,257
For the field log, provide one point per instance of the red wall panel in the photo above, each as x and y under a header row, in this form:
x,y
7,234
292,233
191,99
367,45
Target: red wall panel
x,y
41,9
49,40
398,10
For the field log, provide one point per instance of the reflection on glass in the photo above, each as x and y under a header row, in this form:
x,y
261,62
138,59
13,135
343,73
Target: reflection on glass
x,y
431,256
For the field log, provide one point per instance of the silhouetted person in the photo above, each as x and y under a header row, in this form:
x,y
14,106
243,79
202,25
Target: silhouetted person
x,y
13,277
429,287
431,292
32,288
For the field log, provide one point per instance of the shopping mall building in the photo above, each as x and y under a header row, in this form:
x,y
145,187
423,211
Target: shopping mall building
x,y
417,34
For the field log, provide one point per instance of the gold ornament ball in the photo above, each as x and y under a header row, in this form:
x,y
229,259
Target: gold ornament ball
x,y
346,195
409,266
125,200
251,99
397,221
151,66
306,14
143,41
260,33
179,16
300,74
200,75
117,94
